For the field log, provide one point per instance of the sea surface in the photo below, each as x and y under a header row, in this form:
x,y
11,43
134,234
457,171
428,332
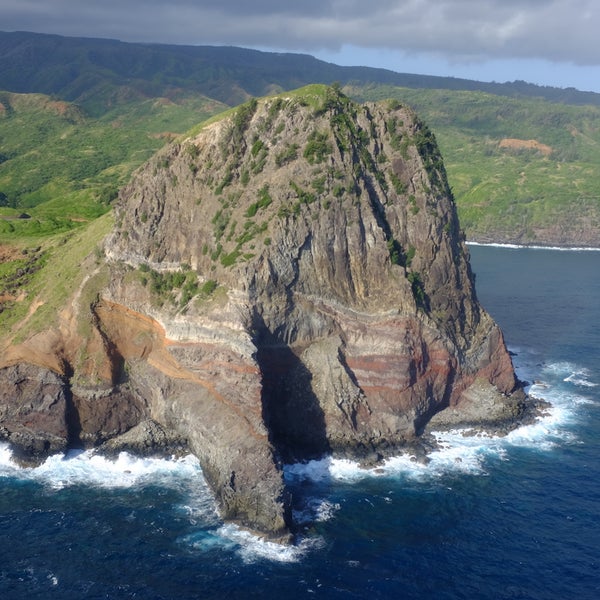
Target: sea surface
x,y
515,517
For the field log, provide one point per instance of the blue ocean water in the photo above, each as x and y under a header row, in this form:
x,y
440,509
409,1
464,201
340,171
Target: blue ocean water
x,y
513,517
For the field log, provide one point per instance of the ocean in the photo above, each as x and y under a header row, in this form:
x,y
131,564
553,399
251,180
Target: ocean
x,y
489,517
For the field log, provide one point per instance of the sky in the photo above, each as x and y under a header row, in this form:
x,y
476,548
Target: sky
x,y
547,42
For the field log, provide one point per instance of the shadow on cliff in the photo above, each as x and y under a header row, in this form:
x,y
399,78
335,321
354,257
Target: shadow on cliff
x,y
291,410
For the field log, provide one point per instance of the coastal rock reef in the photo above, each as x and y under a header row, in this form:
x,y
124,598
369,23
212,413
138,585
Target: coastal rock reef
x,y
286,282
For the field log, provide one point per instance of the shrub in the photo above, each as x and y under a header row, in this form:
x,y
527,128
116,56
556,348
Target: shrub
x,y
227,260
288,154
251,210
395,250
192,150
399,186
257,147
264,198
304,197
208,287
318,148
318,184
338,190
417,289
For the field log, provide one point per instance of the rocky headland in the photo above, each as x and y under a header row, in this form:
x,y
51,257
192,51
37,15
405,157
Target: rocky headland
x,y
288,281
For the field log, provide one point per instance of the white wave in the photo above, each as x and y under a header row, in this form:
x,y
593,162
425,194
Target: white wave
x,y
326,469
551,387
467,451
452,456
249,546
6,463
86,467
252,548
527,247
315,510
200,507
580,378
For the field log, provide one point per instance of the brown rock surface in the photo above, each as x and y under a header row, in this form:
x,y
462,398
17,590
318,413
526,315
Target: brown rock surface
x,y
33,411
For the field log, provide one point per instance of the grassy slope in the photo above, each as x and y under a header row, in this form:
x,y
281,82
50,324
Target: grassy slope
x,y
63,168
70,168
510,193
59,260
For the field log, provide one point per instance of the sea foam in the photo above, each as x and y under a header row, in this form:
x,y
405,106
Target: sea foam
x,y
88,468
252,548
467,451
249,546
458,452
533,247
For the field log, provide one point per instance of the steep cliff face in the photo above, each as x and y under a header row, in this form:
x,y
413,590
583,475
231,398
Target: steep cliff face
x,y
288,281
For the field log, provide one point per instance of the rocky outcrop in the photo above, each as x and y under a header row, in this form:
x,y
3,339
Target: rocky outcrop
x,y
289,281
34,410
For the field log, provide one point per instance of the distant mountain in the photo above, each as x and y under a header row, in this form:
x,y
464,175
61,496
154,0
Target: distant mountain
x,y
96,73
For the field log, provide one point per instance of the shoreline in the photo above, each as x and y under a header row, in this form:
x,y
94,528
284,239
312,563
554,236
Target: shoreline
x,y
510,246
124,469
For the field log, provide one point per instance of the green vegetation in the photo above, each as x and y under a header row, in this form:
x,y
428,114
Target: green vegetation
x,y
63,167
514,165
418,290
396,252
264,200
288,154
518,160
304,197
132,98
428,150
318,147
232,145
176,287
399,185
259,152
43,291
208,287
62,163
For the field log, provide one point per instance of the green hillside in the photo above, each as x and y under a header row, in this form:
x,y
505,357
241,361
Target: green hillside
x,y
522,169
62,168
97,73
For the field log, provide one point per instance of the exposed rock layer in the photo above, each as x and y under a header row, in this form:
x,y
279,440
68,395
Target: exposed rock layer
x,y
287,282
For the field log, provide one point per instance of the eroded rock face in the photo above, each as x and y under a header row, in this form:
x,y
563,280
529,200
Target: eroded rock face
x,y
287,282
34,409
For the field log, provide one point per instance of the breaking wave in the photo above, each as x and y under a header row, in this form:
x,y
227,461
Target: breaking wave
x,y
88,468
459,452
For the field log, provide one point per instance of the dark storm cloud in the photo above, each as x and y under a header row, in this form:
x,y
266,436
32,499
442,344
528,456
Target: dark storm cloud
x,y
556,30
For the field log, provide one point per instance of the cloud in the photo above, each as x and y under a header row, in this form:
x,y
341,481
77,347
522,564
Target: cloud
x,y
459,30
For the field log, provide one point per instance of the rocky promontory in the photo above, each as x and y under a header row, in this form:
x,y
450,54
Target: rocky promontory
x,y
288,281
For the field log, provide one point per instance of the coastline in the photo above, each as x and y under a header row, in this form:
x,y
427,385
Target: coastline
x,y
534,247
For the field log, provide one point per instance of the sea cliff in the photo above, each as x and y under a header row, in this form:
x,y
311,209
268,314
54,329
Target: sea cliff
x,y
289,280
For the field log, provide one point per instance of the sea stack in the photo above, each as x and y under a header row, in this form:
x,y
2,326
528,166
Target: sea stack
x,y
289,280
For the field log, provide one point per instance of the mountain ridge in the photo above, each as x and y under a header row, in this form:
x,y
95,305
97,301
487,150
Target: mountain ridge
x,y
52,64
